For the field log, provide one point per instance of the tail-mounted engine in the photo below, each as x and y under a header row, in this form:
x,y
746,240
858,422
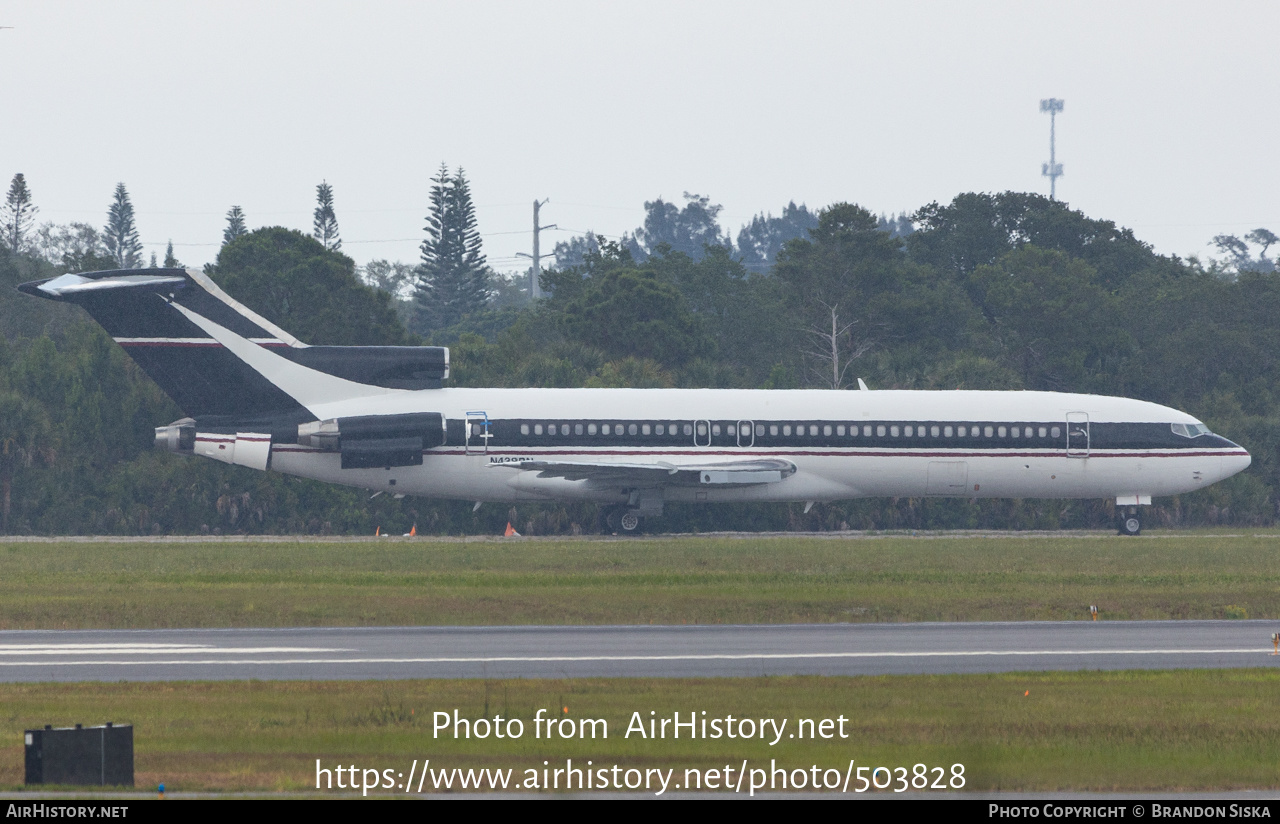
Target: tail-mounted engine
x,y
179,436
370,441
251,449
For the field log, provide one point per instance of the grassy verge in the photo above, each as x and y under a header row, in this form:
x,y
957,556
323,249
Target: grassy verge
x,y
1179,730
673,581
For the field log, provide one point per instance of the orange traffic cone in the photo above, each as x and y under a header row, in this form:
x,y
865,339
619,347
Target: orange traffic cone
x,y
511,531
413,531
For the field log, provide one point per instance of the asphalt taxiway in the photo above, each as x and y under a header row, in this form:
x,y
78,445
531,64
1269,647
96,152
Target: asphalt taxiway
x,y
632,651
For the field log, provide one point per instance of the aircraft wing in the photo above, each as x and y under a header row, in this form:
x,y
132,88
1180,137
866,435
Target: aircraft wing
x,y
660,473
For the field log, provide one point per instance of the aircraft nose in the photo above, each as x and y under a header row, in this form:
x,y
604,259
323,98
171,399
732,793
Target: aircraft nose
x,y
1232,464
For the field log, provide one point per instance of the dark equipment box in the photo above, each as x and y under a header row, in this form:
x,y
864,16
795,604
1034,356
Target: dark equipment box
x,y
80,755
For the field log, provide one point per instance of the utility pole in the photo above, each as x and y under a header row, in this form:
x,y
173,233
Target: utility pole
x,y
1052,169
535,290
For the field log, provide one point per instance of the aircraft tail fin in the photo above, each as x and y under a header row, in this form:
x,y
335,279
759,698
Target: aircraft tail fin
x,y
202,347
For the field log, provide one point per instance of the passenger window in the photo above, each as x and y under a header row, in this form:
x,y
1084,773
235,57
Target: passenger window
x,y
1027,432
840,430
660,429
1013,432
880,431
961,431
644,429
826,430
989,431
1043,432
524,429
866,431
591,429
1055,432
702,430
893,431
773,429
537,429
786,429
933,430
631,430
688,429
1000,431
759,430
946,431
715,429
908,431
577,429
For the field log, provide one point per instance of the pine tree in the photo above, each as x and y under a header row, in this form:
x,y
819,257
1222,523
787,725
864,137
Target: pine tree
x,y
325,225
235,226
18,214
170,262
120,236
453,276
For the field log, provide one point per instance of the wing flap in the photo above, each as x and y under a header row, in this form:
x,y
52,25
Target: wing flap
x,y
661,473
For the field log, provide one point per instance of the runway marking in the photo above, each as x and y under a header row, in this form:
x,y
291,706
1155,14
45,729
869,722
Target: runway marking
x,y
147,649
552,659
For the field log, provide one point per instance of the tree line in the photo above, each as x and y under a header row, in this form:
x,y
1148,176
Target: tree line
x,y
988,291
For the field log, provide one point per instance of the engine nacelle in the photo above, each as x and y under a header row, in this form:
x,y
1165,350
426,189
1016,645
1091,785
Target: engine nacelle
x,y
179,436
370,441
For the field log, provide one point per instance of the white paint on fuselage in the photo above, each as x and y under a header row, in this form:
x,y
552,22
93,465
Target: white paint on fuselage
x,y
837,473
752,404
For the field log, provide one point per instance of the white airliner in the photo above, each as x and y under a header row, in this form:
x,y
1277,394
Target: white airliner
x,y
377,417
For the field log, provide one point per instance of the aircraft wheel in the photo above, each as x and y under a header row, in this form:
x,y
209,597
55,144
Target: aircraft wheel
x,y
629,521
1131,524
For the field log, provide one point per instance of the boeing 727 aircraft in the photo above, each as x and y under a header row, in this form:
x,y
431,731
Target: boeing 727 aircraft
x,y
378,417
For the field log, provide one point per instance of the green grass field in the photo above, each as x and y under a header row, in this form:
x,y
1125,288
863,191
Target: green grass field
x,y
1182,730
663,581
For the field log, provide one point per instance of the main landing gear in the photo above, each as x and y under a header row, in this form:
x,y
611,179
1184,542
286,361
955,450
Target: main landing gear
x,y
1129,521
620,519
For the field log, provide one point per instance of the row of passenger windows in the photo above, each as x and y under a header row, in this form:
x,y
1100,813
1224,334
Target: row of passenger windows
x,y
616,429
799,430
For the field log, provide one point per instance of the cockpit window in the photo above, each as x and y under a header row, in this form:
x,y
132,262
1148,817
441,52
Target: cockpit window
x,y
1190,430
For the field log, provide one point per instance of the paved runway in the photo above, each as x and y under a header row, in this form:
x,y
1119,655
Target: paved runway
x,y
685,651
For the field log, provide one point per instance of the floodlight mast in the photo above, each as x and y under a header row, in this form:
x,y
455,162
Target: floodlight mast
x,y
1052,169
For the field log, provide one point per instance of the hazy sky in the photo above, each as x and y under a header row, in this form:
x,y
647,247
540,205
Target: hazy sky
x,y
1171,111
